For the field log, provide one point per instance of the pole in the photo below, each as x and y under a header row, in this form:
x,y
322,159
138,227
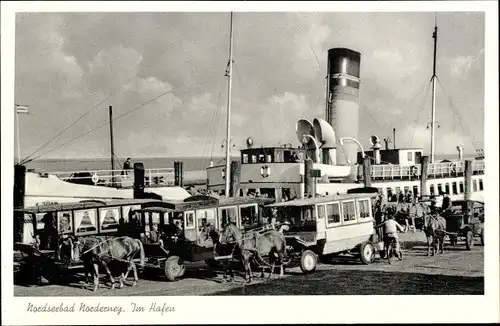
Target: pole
x,y
433,118
228,123
18,139
112,144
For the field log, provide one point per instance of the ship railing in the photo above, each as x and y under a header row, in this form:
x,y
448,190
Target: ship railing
x,y
414,172
118,178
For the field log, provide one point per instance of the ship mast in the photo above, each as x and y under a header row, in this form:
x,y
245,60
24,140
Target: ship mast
x,y
434,77
228,122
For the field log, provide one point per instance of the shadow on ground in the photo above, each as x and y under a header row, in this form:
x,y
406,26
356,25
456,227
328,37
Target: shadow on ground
x,y
353,282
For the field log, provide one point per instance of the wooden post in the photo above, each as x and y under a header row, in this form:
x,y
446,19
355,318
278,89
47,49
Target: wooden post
x,y
112,145
423,176
308,180
367,176
468,186
234,190
138,180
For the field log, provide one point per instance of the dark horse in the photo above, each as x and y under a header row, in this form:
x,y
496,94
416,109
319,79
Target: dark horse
x,y
255,246
95,251
209,238
435,231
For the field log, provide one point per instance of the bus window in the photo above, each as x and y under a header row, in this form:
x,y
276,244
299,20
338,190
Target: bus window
x,y
65,222
86,221
454,188
333,213
109,219
189,220
321,211
480,184
205,217
249,215
348,211
461,187
227,214
364,208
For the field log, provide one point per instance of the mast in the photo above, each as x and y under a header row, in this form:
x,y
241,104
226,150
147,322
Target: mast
x,y
433,118
112,144
228,121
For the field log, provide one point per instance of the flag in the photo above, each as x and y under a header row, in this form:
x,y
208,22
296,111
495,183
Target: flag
x,y
22,108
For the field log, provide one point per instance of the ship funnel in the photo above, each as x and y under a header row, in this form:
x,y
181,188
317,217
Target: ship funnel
x,y
342,106
460,150
326,136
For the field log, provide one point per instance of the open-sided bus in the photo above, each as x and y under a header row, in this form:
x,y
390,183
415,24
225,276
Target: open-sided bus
x,y
38,230
181,222
323,227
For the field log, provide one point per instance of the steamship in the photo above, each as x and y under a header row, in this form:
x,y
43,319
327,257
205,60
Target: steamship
x,y
339,161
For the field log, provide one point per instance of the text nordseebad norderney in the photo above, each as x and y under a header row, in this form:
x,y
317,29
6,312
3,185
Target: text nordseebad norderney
x,y
98,307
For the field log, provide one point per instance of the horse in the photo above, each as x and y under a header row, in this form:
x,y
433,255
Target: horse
x,y
254,246
209,237
435,231
95,251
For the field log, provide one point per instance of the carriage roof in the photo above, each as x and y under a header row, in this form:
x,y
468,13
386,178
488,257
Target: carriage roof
x,y
200,202
85,204
320,200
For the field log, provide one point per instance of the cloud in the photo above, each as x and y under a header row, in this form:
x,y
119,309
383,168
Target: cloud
x,y
66,63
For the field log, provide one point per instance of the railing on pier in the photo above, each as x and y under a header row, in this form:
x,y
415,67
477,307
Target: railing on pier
x,y
436,170
118,178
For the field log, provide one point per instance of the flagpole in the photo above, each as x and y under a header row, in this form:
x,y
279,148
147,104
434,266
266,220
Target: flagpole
x,y
18,139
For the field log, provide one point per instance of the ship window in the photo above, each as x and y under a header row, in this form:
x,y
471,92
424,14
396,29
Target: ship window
x,y
410,156
474,185
245,158
254,158
432,190
389,194
447,188
269,158
415,191
461,187
268,192
440,189
261,158
454,188
333,213
348,211
480,184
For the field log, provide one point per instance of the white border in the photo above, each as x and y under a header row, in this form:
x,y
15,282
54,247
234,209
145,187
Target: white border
x,y
436,308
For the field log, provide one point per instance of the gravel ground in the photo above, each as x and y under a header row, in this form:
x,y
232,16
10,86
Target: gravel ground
x,y
457,271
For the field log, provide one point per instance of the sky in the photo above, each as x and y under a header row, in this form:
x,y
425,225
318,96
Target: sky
x,y
163,74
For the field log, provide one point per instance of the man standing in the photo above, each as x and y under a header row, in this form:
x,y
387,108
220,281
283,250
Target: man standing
x,y
127,165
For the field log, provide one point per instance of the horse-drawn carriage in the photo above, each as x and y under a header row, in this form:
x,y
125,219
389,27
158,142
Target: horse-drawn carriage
x,y
181,229
42,232
324,227
463,225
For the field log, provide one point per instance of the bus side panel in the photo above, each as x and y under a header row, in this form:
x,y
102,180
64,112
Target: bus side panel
x,y
345,237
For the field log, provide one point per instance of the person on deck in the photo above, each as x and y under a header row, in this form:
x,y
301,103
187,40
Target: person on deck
x,y
127,165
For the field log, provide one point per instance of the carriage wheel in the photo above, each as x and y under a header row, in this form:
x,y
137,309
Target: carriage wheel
x,y
173,268
367,253
308,261
469,240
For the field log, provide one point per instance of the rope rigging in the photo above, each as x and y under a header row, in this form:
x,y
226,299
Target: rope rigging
x,y
113,93
105,124
422,106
